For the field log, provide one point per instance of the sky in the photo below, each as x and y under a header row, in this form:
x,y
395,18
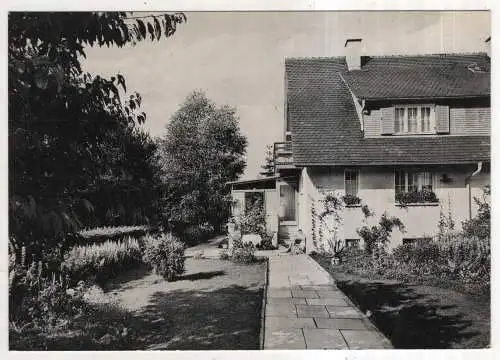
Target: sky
x,y
237,59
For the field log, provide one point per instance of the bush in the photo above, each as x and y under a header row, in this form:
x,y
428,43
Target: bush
x,y
40,301
378,236
113,233
480,225
244,254
419,253
102,262
241,253
165,255
266,243
456,262
195,234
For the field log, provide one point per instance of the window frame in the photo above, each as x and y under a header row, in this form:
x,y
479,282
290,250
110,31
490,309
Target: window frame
x,y
419,187
406,122
356,171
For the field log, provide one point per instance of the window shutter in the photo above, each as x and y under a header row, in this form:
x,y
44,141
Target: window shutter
x,y
387,121
442,119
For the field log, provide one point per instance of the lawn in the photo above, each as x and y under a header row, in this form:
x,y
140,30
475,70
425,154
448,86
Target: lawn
x,y
215,305
418,316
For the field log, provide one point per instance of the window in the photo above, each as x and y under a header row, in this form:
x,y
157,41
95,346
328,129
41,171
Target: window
x,y
351,182
418,119
254,198
411,181
352,243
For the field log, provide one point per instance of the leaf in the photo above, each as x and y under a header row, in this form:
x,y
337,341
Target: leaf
x,y
151,31
121,81
142,28
88,206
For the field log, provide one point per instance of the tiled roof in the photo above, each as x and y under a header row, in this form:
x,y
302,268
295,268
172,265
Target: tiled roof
x,y
326,129
429,76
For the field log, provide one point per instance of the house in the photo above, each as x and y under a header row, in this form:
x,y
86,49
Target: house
x,y
387,131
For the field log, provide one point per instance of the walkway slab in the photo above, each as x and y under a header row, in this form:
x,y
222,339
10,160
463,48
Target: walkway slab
x,y
327,301
363,339
291,339
312,311
324,339
305,310
276,323
340,324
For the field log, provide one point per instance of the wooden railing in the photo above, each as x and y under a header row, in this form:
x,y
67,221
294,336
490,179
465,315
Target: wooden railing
x,y
283,156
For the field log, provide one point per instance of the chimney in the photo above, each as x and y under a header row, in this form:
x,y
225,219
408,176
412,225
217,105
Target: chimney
x,y
488,46
353,54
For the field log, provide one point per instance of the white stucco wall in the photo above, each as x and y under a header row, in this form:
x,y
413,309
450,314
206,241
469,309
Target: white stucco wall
x,y
376,189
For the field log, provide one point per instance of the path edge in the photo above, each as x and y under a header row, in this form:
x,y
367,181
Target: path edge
x,y
263,307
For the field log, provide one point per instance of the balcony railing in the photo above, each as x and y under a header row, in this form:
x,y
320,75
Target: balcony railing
x,y
283,157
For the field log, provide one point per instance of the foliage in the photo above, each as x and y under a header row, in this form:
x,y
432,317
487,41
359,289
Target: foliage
x,y
351,200
243,253
457,262
38,298
377,236
165,255
195,234
329,223
73,138
254,219
113,233
415,197
268,167
202,150
266,243
104,261
480,225
240,253
446,223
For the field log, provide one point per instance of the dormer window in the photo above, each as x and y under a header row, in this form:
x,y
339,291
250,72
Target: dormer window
x,y
414,119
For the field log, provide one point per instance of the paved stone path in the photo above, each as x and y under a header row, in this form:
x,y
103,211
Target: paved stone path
x,y
305,310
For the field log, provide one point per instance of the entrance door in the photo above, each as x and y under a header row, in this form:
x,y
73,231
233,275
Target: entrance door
x,y
287,202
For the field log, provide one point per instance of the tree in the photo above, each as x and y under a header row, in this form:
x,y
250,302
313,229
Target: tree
x,y
268,167
71,135
203,149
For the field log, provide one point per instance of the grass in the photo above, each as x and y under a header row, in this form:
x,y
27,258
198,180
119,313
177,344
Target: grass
x,y
215,305
418,316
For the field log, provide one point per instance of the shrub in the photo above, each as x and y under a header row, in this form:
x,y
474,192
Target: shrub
x,y
419,253
480,225
102,261
195,234
165,255
244,254
241,253
37,300
266,243
378,236
116,233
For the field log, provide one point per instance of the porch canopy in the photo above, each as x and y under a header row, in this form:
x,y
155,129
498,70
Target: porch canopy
x,y
254,184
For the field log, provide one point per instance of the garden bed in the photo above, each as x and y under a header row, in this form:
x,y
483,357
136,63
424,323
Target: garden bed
x,y
417,316
214,305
